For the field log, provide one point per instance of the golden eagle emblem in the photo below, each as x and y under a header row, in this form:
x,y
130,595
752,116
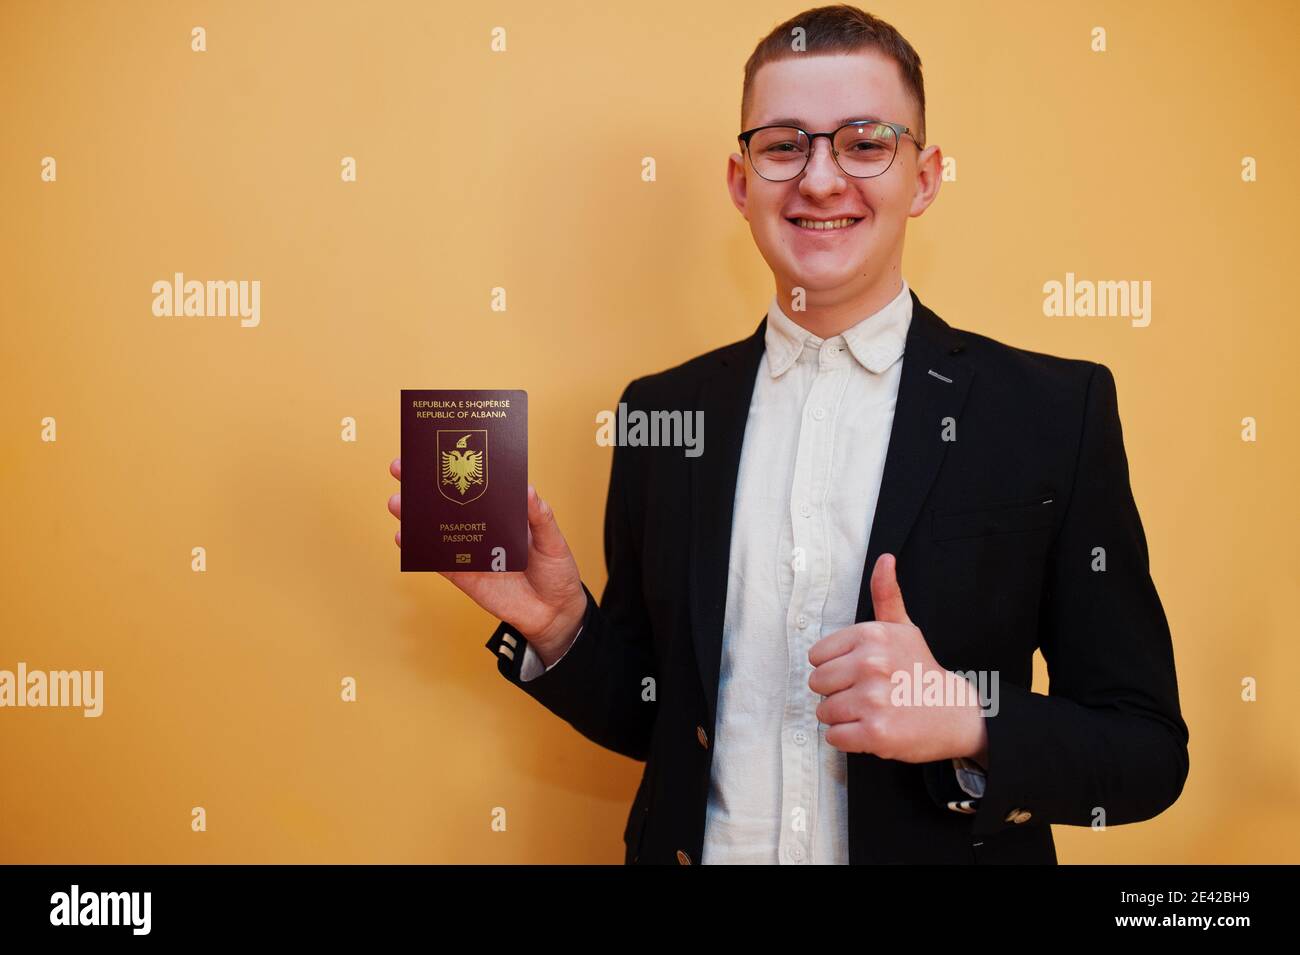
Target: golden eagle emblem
x,y
463,466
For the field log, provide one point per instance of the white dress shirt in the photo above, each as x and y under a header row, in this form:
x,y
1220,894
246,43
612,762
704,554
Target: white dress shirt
x,y
810,470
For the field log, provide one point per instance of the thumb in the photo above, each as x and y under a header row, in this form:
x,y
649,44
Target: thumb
x,y
886,597
546,537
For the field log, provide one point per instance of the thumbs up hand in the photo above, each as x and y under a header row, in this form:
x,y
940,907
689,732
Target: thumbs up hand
x,y
866,675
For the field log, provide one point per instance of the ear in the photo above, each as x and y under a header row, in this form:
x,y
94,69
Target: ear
x,y
929,175
738,182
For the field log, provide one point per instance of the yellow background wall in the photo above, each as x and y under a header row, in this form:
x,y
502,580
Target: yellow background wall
x,y
522,169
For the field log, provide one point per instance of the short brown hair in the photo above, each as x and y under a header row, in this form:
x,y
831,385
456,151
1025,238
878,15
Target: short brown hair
x,y
839,29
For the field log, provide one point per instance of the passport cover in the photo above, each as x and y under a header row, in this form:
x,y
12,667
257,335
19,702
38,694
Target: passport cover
x,y
464,480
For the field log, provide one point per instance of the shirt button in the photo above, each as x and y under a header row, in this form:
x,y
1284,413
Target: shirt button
x,y
805,509
802,621
796,853
800,737
819,413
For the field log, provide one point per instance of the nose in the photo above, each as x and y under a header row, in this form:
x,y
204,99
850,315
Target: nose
x,y
822,175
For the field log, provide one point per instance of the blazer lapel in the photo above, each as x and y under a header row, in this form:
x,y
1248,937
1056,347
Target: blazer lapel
x,y
932,387
724,398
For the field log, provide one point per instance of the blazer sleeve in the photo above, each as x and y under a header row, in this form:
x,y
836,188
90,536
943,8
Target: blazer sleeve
x,y
604,684
1108,737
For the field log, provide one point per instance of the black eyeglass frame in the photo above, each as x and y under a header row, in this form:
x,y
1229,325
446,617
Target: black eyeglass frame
x,y
899,132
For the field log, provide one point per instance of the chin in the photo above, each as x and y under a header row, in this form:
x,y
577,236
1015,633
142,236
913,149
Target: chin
x,y
817,272
814,279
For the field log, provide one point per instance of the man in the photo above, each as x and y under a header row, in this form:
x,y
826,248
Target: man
x,y
889,514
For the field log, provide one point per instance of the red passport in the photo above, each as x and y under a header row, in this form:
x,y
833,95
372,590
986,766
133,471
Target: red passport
x,y
464,480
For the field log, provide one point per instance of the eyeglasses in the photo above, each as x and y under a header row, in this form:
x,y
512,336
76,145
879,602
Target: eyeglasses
x,y
862,150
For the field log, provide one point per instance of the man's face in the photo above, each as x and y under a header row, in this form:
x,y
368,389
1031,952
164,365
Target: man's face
x,y
821,92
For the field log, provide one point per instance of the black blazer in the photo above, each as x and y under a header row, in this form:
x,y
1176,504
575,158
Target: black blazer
x,y
997,534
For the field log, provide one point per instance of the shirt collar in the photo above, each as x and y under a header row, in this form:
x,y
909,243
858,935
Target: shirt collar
x,y
876,341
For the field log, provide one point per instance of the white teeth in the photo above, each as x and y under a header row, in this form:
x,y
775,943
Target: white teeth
x,y
823,226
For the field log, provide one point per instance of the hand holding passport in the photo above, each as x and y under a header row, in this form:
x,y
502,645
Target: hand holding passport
x,y
465,503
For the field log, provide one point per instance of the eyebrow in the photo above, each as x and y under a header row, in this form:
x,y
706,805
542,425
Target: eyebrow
x,y
790,121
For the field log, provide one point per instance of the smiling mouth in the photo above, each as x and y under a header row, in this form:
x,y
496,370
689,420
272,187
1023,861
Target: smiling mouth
x,y
828,225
